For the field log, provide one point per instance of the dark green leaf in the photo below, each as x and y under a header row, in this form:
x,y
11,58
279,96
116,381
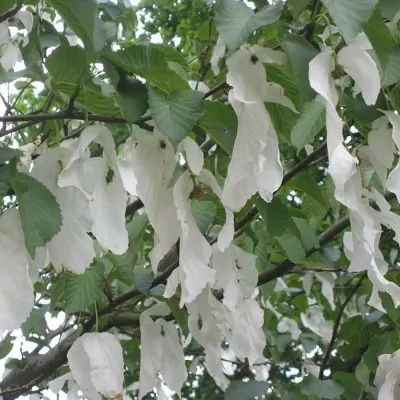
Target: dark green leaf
x,y
144,278
204,213
239,390
39,211
300,53
380,37
5,347
322,389
81,17
150,63
216,121
6,5
308,125
7,154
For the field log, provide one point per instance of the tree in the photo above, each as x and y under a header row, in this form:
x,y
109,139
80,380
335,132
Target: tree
x,y
212,212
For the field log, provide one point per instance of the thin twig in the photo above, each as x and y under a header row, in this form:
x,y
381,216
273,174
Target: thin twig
x,y
335,331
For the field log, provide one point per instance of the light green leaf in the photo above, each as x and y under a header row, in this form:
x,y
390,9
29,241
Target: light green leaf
x,y
38,209
322,389
300,53
239,390
204,213
216,121
144,278
175,114
292,246
389,8
6,5
350,16
68,65
308,235
81,291
7,154
236,21
308,125
380,37
149,62
81,17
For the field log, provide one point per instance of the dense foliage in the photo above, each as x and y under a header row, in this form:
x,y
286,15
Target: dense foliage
x,y
200,199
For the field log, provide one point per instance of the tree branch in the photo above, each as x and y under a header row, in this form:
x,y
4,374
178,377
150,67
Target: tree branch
x,y
335,331
7,15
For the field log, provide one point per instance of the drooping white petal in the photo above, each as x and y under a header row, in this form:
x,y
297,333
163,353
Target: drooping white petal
x,y
387,377
72,247
315,321
327,280
96,363
246,75
218,53
195,251
152,161
106,363
227,232
246,335
255,164
194,155
236,274
362,68
99,179
274,93
289,325
16,288
161,352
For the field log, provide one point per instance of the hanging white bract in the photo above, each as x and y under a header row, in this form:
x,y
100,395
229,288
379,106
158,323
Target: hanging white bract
x,y
97,365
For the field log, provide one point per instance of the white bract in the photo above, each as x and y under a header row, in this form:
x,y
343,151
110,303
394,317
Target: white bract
x,y
387,377
99,180
97,365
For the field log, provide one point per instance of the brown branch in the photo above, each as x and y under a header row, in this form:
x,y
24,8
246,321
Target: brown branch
x,y
335,331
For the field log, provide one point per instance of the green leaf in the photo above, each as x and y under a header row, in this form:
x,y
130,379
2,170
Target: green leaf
x,y
322,389
297,6
309,238
300,53
239,390
133,99
6,5
81,291
175,114
308,125
350,16
216,121
81,17
204,213
149,62
292,247
236,21
144,278
5,347
380,37
389,8
68,65
35,323
38,209
277,217
392,71
7,154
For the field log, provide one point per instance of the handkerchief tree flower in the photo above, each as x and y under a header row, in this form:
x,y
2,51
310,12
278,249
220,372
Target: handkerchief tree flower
x,y
199,199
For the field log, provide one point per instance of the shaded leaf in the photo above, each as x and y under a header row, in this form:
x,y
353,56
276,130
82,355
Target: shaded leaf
x,y
239,390
322,389
38,209
7,154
